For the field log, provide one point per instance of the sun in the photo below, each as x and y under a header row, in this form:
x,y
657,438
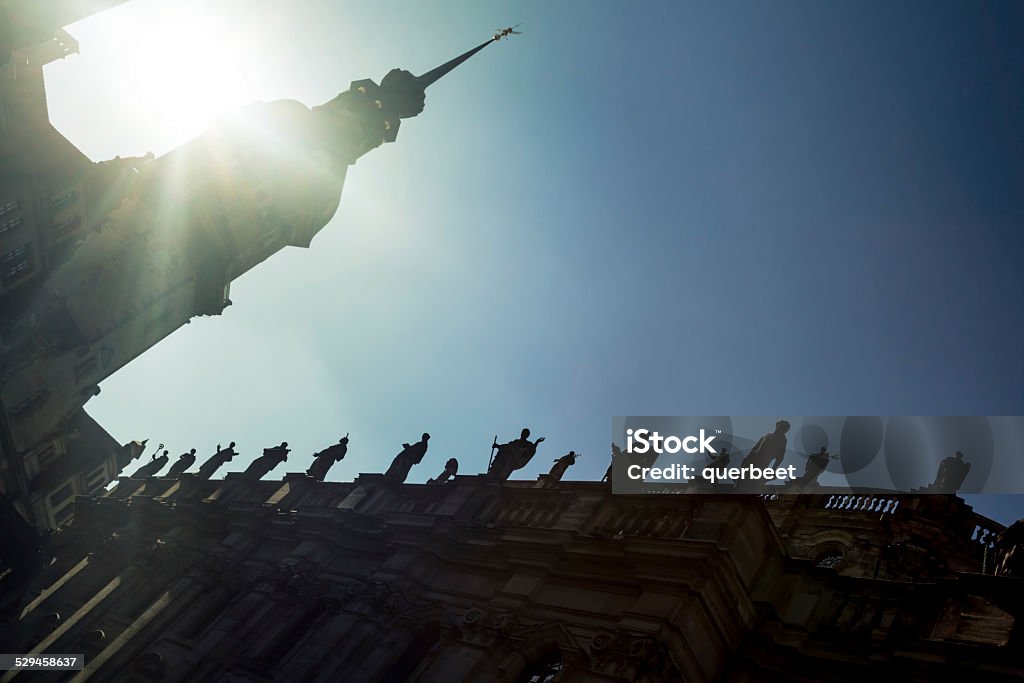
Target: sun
x,y
183,67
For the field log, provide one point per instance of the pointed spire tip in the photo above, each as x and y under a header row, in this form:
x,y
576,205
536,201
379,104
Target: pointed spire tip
x,y
435,74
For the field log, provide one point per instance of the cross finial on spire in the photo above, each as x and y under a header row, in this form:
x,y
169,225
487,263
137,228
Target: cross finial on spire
x,y
505,32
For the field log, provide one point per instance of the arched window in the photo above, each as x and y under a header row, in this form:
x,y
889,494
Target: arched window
x,y
829,559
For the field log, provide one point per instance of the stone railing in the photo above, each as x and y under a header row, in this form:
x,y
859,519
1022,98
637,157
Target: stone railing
x,y
876,504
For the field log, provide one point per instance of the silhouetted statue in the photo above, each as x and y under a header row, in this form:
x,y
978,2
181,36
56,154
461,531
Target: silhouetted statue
x,y
816,464
216,461
722,459
271,458
151,467
770,449
403,462
561,465
952,472
185,460
327,457
451,468
513,455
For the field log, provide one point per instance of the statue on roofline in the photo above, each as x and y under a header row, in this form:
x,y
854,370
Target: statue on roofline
x,y
562,464
216,461
326,458
451,468
271,458
512,456
403,462
185,460
152,467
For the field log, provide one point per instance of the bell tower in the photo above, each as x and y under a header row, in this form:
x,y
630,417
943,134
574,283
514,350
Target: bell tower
x,y
166,236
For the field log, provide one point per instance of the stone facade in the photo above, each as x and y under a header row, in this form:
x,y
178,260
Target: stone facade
x,y
476,580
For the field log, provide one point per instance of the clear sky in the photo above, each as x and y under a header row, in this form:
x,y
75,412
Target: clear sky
x,y
789,208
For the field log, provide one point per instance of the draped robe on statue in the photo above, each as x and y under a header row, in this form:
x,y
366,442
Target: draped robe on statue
x,y
512,456
403,462
326,458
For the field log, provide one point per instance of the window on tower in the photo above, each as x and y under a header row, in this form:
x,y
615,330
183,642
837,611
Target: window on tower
x,y
47,455
11,224
9,206
16,264
96,480
61,495
63,515
34,401
64,200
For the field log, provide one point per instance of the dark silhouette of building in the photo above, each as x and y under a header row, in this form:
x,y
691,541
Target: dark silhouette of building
x,y
184,579
50,193
474,578
101,261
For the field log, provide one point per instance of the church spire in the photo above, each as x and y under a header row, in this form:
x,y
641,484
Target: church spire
x,y
381,108
435,74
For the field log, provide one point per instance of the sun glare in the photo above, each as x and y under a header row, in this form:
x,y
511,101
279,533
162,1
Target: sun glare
x,y
184,68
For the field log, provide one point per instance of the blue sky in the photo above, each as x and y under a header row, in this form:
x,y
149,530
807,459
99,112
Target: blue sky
x,y
787,208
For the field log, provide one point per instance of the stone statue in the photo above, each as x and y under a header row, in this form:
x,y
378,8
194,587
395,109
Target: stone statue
x,y
952,472
451,468
721,459
816,464
561,465
216,461
403,462
512,456
616,454
770,449
271,458
185,460
151,467
327,457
